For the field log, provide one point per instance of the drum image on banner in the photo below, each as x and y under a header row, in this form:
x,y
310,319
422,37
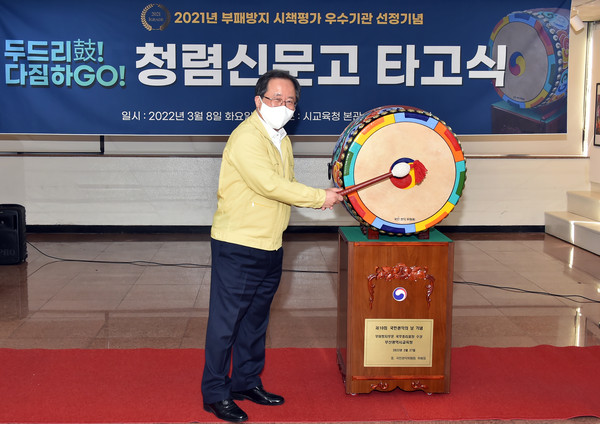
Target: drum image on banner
x,y
537,55
382,138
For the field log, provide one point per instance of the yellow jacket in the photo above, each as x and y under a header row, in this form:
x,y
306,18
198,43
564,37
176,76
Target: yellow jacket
x,y
257,187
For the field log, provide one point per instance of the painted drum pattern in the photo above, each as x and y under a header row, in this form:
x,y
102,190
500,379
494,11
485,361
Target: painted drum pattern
x,y
378,139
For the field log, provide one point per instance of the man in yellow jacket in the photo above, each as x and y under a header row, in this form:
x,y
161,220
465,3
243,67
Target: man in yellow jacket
x,y
256,191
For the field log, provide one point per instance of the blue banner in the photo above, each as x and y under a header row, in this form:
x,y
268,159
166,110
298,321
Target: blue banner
x,y
189,68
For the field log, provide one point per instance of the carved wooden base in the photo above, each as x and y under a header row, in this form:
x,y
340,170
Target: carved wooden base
x,y
397,282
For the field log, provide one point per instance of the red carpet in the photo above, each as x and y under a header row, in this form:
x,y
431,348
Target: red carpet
x,y
147,385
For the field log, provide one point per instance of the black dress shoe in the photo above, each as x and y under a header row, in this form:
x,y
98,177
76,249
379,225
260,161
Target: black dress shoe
x,y
226,410
258,395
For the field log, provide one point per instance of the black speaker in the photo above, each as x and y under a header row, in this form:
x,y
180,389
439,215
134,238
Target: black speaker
x,y
13,245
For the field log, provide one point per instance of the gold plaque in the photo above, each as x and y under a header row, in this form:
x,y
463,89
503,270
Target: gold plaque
x,y
398,342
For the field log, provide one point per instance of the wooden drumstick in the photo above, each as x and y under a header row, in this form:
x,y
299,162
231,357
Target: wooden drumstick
x,y
401,169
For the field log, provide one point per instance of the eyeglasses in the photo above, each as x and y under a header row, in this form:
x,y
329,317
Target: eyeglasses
x,y
290,104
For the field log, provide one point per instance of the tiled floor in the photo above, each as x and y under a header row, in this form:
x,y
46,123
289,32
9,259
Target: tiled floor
x,y
115,300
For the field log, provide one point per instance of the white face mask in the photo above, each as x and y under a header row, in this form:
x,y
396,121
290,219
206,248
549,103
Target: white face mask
x,y
276,117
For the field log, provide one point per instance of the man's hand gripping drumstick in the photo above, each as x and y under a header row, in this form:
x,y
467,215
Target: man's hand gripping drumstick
x,y
334,195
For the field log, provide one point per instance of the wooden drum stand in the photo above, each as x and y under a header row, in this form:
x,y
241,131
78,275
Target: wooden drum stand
x,y
394,321
402,171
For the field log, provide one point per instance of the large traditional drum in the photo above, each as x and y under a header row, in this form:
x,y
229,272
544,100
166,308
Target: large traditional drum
x,y
537,53
383,137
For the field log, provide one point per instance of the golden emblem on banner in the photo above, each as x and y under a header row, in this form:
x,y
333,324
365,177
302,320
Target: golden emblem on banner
x,y
155,17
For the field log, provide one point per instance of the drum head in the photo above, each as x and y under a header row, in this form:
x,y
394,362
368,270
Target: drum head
x,y
410,204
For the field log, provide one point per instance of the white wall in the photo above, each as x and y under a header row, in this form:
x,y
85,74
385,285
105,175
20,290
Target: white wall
x,y
182,191
594,151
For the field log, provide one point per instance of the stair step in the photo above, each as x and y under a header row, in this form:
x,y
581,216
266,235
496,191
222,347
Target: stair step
x,y
584,203
587,236
575,229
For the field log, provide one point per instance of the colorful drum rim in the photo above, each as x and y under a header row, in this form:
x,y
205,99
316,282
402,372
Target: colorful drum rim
x,y
358,132
552,28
